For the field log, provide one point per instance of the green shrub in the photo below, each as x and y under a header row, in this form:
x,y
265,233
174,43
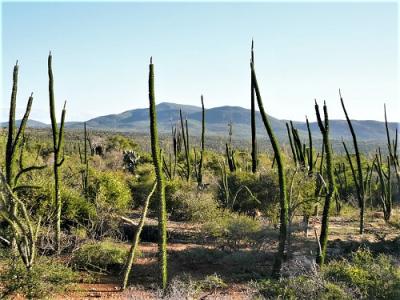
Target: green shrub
x,y
47,276
301,287
263,186
142,183
234,231
212,282
186,203
108,190
374,278
103,257
76,209
120,143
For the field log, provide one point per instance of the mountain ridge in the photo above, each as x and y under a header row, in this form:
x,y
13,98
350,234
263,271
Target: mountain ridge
x,y
217,119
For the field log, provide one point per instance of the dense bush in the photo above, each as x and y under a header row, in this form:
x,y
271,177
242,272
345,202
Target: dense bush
x,y
234,231
186,203
104,257
372,278
108,190
301,287
264,191
361,277
75,208
48,276
119,143
142,183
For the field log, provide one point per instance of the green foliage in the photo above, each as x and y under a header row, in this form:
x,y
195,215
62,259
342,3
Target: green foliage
x,y
105,256
76,209
372,277
263,186
212,282
234,231
47,277
108,190
141,185
212,161
186,203
119,143
301,287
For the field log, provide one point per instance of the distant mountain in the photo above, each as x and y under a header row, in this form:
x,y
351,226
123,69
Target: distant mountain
x,y
31,123
217,119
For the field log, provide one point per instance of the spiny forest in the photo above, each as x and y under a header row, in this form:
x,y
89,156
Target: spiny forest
x,y
86,213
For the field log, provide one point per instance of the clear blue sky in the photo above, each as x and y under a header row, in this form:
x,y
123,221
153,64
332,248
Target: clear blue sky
x,y
303,51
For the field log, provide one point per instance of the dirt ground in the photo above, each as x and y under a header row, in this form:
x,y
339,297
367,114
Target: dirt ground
x,y
199,259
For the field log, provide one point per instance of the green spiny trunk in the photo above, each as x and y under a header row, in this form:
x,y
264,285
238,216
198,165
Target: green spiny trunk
x,y
310,151
203,129
160,195
282,181
58,139
253,119
324,128
359,179
136,238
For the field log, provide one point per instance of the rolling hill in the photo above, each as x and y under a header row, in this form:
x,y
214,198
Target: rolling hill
x,y
217,120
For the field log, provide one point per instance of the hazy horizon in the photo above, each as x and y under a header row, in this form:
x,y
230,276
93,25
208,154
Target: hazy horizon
x,y
302,51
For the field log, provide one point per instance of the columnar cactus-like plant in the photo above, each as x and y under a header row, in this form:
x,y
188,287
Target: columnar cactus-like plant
x,y
185,136
291,144
84,161
229,152
282,180
385,184
14,138
358,177
230,157
203,129
392,148
24,232
58,141
136,238
324,128
300,152
310,149
298,146
160,193
14,146
253,119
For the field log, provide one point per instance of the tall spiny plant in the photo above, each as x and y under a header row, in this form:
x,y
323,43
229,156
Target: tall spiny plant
x,y
282,181
385,185
160,194
392,148
136,238
229,152
14,139
203,128
253,119
84,161
358,177
185,136
291,143
324,128
58,140
24,233
13,146
299,147
310,149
